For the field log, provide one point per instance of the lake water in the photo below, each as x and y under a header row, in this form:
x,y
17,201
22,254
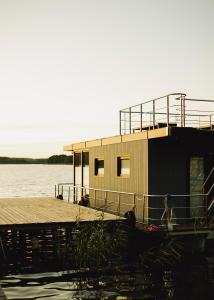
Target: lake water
x,y
32,180
193,282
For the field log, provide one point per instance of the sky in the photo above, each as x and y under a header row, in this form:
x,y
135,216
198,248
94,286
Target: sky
x,y
68,66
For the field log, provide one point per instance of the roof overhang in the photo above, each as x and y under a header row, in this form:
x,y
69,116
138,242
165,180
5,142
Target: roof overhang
x,y
144,135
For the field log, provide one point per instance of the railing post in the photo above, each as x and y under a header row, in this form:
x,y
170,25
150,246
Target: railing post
x,y
95,200
153,114
134,199
74,194
166,200
167,111
69,192
130,120
62,190
141,117
58,189
118,198
184,108
182,111
206,212
143,213
120,129
105,199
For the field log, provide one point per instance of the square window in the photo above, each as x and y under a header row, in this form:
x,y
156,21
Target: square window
x,y
99,167
123,166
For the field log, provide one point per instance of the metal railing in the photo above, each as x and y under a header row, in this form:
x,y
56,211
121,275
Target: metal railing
x,y
175,209
115,202
161,209
207,189
207,180
170,110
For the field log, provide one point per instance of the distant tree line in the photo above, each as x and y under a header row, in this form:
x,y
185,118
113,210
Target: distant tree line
x,y
54,159
60,159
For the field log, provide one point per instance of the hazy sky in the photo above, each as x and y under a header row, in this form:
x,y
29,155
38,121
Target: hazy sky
x,y
67,67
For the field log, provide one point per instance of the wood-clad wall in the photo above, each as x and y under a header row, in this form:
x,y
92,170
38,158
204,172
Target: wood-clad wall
x,y
137,182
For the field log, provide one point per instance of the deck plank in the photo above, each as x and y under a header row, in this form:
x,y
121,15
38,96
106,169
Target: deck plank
x,y
16,211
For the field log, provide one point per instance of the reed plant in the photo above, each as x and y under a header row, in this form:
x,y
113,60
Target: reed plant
x,y
94,244
99,243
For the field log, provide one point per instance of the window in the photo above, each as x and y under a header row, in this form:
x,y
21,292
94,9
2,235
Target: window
x,y
77,159
85,159
99,167
123,166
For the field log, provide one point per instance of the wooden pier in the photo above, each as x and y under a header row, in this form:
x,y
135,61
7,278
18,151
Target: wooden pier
x,y
38,212
37,232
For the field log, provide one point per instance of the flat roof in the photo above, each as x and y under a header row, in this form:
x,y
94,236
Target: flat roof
x,y
185,132
143,135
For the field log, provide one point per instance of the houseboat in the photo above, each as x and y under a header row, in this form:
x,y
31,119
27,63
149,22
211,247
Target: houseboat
x,y
161,164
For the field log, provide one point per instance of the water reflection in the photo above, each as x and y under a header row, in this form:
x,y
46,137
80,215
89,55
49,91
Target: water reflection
x,y
195,282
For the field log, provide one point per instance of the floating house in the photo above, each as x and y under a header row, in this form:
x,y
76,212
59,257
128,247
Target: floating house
x,y
162,161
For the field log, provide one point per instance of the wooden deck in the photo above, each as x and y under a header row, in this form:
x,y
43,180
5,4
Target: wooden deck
x,y
38,211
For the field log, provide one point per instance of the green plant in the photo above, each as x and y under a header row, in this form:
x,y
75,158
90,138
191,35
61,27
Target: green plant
x,y
99,243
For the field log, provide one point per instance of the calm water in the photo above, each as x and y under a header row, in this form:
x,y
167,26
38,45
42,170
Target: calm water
x,y
187,282
32,180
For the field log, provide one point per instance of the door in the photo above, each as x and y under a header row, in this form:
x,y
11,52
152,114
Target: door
x,y
196,186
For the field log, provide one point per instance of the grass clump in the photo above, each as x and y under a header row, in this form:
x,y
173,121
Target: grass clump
x,y
99,244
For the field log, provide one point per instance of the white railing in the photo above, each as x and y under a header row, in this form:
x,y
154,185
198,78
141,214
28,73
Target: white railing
x,y
115,202
175,209
170,110
149,209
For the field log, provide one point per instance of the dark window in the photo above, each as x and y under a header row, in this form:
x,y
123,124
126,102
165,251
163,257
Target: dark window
x,y
77,159
99,166
85,159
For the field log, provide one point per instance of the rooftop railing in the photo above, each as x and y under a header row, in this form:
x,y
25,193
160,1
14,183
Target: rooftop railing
x,y
169,110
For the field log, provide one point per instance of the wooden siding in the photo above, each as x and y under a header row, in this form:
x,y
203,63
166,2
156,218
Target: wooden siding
x,y
136,182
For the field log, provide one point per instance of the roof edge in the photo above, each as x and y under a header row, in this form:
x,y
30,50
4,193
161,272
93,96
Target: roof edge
x,y
116,139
